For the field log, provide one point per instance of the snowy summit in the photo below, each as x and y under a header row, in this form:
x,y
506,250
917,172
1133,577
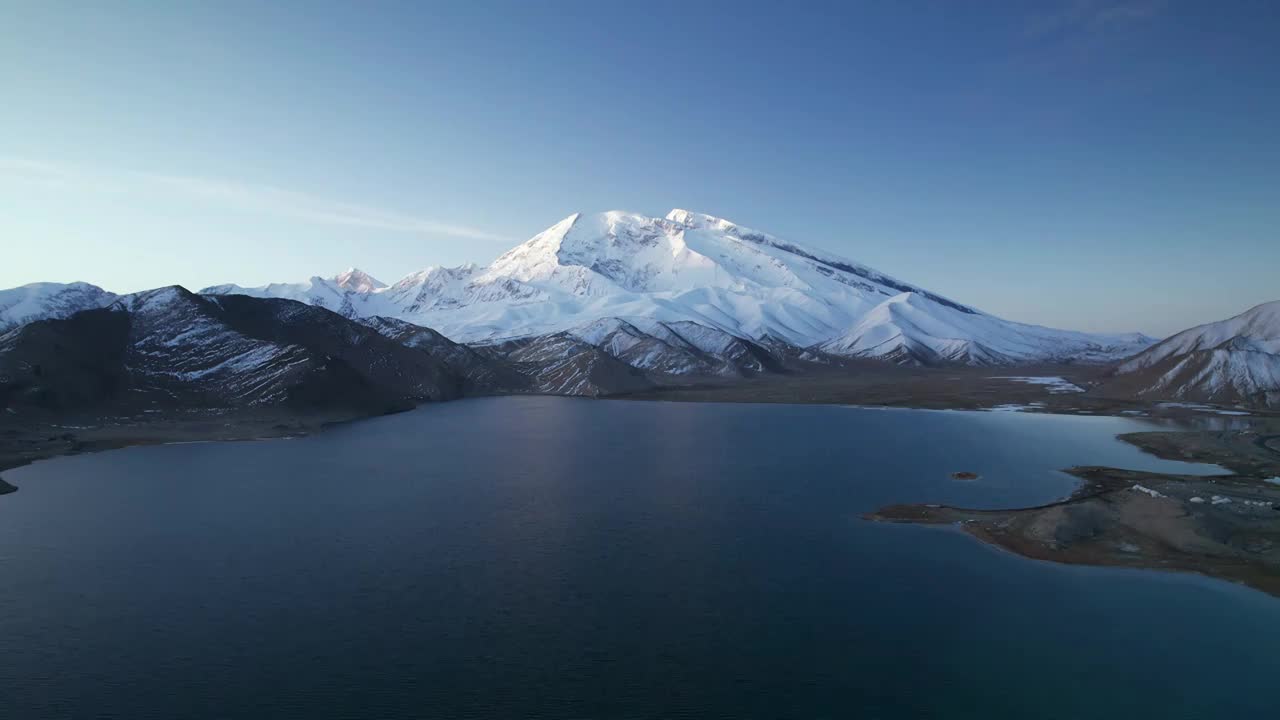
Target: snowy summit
x,y
690,267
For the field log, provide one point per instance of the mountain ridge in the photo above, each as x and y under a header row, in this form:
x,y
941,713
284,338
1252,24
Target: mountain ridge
x,y
169,348
744,287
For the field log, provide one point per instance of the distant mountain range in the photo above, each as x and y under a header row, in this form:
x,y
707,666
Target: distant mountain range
x,y
595,304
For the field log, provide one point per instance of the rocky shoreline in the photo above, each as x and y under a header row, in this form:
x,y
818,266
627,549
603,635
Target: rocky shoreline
x,y
1223,526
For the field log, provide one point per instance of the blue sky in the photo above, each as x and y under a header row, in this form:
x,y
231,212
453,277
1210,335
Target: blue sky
x,y
1104,165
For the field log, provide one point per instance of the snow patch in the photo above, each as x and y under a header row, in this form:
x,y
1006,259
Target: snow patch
x,y
1055,385
1015,407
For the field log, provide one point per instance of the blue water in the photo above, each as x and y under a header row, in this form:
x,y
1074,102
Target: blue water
x,y
557,558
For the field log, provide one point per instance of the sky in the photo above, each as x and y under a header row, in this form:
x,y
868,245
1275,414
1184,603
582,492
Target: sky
x,y
1104,165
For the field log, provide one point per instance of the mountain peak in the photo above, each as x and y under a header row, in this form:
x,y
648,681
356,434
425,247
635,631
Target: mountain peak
x,y
1257,329
1266,316
38,301
1234,361
696,219
154,300
358,280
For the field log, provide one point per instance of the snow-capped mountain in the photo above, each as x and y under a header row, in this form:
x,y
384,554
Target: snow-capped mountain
x,y
689,268
341,293
357,280
39,301
1233,361
912,328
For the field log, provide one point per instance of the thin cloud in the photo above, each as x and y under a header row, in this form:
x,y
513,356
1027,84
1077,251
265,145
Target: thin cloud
x,y
1129,12
234,196
1091,16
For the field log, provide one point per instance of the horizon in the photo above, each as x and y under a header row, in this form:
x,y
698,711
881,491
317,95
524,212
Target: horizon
x,y
390,281
1105,166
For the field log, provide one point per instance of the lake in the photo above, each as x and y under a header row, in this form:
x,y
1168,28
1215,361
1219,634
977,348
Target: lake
x,y
545,557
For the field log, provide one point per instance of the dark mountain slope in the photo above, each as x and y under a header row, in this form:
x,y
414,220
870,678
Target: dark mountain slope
x,y
482,374
170,348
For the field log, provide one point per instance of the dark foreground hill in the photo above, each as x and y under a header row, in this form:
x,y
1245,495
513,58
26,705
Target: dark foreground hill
x,y
171,348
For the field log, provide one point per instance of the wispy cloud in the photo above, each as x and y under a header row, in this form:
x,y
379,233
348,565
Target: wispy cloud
x,y
1091,16
233,196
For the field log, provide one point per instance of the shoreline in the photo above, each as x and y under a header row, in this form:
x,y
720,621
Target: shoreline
x,y
1115,518
43,434
46,437
1225,526
46,440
